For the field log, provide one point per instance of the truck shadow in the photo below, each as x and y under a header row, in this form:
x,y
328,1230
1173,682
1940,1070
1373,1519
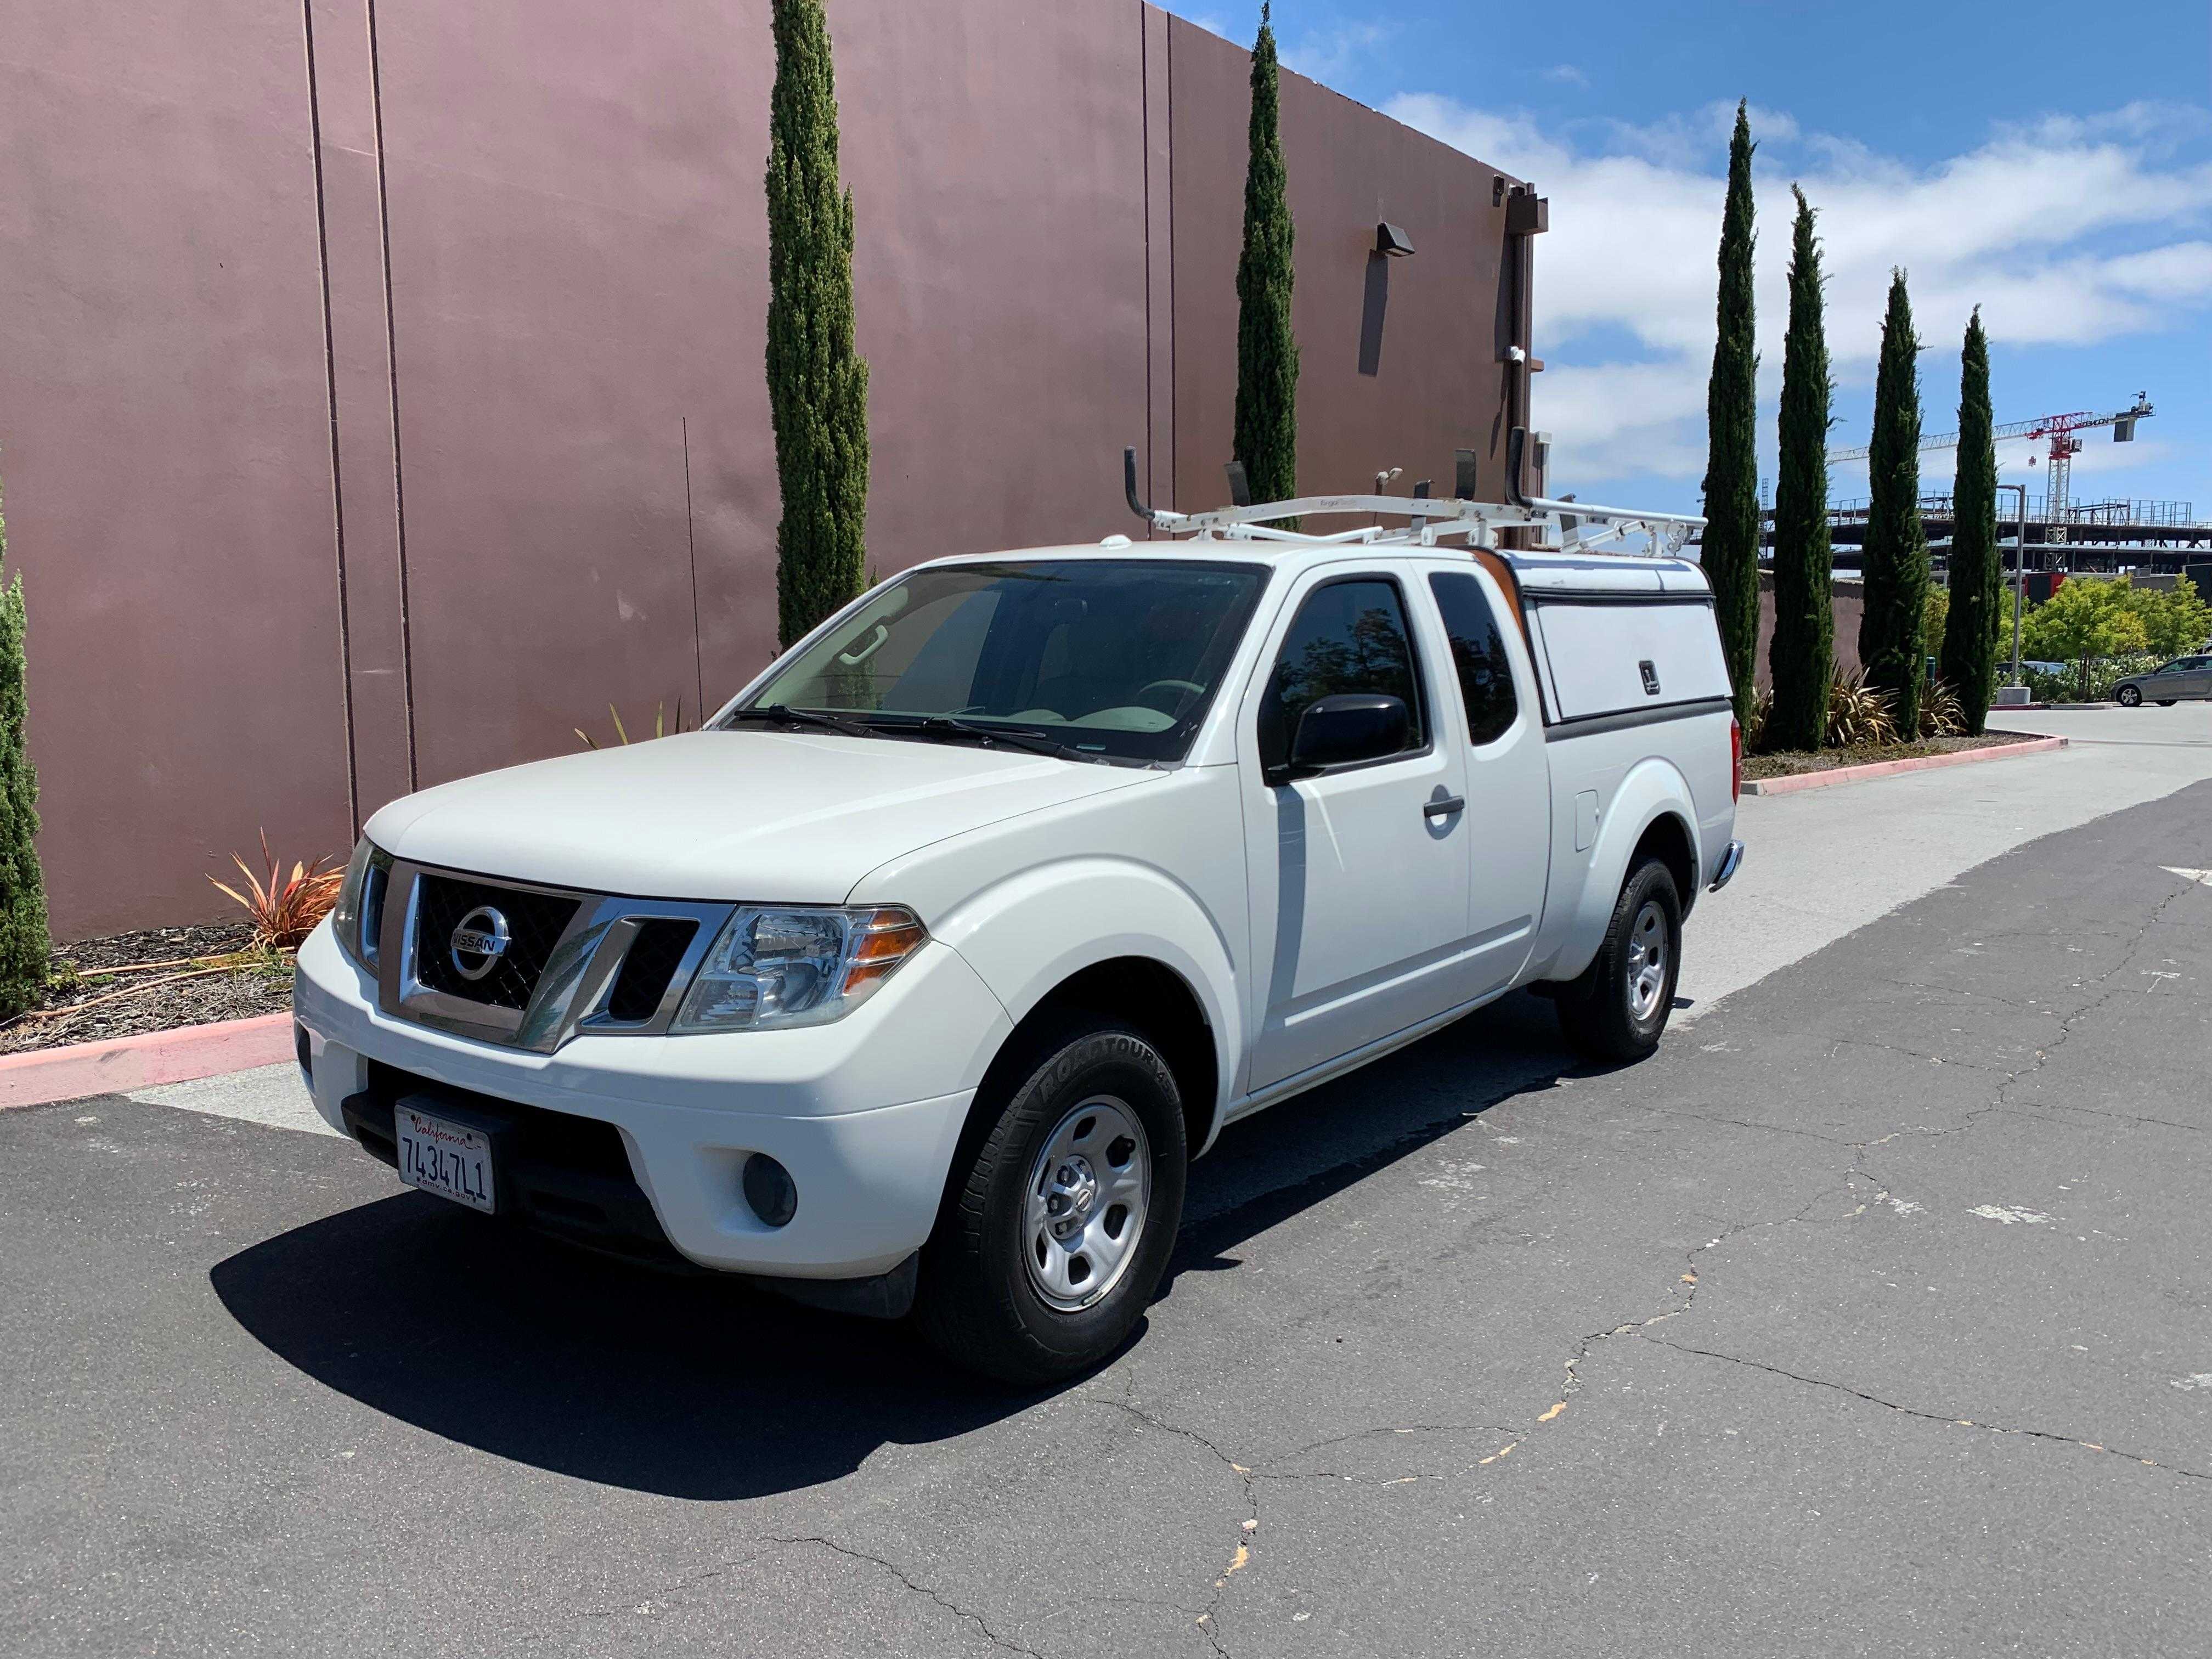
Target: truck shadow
x,y
698,1388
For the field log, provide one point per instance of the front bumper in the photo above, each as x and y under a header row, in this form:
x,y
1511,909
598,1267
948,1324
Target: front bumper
x,y
864,1112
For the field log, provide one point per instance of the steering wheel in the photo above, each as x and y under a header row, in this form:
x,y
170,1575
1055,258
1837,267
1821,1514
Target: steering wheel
x,y
1170,685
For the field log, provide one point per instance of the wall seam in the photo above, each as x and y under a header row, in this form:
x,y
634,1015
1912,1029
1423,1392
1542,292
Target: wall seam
x,y
331,390
1145,172
691,544
392,373
1174,369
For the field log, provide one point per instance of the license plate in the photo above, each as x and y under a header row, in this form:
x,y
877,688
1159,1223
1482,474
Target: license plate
x,y
443,1157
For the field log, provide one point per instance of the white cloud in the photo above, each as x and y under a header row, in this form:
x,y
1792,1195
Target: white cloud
x,y
1566,74
2073,230
1325,54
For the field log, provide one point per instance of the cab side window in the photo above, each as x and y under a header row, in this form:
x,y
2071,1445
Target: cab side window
x,y
1478,649
1349,636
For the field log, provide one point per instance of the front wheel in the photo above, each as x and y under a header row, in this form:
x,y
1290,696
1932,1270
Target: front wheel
x,y
1061,1222
1618,1007
2129,697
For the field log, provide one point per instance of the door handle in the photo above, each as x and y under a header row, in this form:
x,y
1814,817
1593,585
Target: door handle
x,y
1444,808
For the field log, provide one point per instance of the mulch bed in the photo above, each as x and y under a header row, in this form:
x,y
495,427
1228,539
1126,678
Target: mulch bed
x,y
1790,761
256,982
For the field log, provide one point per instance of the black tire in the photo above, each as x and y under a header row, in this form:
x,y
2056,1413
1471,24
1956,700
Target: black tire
x,y
1599,1013
977,1303
2167,702
2129,697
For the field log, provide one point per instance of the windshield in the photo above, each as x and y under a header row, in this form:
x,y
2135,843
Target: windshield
x,y
1115,659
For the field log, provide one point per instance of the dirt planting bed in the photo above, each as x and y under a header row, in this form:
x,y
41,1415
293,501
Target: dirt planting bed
x,y
154,980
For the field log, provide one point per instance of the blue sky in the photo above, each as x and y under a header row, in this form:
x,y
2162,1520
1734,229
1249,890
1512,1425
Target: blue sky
x,y
2051,163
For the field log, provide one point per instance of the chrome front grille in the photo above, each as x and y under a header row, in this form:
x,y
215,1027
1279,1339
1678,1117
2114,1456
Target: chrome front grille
x,y
534,922
529,967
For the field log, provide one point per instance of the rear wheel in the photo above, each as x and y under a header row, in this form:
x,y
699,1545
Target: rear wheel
x,y
2130,697
1618,1007
1059,1223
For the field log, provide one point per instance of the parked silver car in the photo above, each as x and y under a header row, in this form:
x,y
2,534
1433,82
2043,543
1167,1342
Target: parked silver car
x,y
2184,677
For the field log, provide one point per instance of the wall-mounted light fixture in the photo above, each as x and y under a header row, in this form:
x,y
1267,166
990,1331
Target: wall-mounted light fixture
x,y
1392,241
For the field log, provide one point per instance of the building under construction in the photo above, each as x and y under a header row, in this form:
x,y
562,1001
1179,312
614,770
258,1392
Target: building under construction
x,y
2060,532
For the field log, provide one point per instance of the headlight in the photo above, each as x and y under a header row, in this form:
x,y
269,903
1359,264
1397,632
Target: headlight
x,y
796,967
358,918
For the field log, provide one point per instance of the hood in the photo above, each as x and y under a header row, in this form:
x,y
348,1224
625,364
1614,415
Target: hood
x,y
773,815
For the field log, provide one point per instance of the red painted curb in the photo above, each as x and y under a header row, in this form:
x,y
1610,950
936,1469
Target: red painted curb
x,y
1796,781
70,1073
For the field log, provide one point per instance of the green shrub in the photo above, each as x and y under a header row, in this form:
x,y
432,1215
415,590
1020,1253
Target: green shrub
x,y
2088,681
24,944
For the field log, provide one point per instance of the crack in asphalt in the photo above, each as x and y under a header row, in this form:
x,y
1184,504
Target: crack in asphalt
x,y
908,1581
1857,1172
1249,1526
1931,1416
1741,1123
1857,1179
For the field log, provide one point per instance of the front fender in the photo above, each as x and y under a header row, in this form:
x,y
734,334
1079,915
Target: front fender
x,y
1028,934
1653,789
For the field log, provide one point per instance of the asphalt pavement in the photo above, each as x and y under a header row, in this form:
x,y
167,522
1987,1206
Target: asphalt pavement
x,y
1873,1314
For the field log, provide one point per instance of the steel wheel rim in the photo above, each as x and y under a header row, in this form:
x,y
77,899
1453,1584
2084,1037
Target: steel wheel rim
x,y
1084,1210
1647,960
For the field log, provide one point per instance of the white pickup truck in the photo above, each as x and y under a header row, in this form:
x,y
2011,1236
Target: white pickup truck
x,y
915,978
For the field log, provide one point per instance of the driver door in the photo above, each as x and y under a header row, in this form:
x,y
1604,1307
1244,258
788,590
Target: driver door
x,y
1358,874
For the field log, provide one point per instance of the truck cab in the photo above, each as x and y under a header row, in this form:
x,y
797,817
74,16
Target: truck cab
x,y
913,980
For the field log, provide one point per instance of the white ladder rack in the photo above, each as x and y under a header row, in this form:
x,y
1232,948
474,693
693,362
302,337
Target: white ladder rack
x,y
1583,526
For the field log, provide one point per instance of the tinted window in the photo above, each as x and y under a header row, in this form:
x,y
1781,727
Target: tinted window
x,y
1478,648
1349,636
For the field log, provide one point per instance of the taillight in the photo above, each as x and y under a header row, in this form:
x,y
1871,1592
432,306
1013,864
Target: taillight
x,y
1735,759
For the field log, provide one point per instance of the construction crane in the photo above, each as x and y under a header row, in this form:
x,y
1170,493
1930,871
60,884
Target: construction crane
x,y
2059,429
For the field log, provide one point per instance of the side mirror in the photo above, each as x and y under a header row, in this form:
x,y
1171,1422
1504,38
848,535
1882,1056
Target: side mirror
x,y
1345,728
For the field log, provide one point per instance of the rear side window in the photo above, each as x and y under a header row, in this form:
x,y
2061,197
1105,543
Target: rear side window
x,y
1349,636
1478,649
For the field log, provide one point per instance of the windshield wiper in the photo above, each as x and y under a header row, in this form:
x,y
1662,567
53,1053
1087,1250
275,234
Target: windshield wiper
x,y
948,726
783,714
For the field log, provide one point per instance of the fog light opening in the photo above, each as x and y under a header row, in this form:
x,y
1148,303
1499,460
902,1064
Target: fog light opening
x,y
770,1190
303,1046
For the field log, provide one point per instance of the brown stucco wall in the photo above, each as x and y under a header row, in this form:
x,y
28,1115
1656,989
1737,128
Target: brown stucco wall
x,y
374,411
1847,602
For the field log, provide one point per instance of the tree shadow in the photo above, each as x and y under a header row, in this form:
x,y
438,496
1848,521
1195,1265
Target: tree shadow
x,y
697,1386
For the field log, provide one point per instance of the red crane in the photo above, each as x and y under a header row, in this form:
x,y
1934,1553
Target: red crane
x,y
2059,430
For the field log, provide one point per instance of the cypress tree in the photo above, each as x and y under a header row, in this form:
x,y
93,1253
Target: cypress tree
x,y
817,383
1891,632
1970,629
24,947
1267,353
1731,539
1801,656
